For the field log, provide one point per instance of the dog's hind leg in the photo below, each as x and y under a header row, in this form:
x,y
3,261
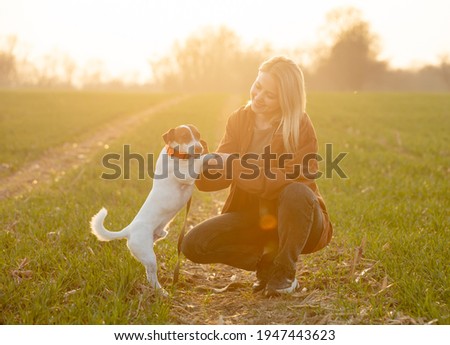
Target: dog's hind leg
x,y
143,251
151,270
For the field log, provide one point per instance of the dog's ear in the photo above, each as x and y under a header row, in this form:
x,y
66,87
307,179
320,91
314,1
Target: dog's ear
x,y
205,147
169,136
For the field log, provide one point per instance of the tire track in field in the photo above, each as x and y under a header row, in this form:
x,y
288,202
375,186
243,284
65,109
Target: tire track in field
x,y
56,161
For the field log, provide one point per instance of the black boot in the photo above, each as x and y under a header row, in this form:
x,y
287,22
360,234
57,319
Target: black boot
x,y
263,272
282,281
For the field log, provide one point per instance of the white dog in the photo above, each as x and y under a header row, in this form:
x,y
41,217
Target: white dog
x,y
177,167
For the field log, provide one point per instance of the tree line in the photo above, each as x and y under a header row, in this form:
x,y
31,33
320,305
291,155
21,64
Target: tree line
x,y
215,59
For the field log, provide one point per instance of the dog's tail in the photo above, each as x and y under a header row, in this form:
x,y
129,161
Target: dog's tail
x,y
99,230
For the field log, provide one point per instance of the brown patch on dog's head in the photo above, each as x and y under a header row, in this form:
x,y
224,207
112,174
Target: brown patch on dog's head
x,y
183,134
195,132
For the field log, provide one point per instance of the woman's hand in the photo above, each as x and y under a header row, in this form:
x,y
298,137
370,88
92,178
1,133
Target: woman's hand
x,y
215,161
214,169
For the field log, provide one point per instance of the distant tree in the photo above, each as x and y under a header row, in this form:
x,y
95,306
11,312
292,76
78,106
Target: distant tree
x,y
444,66
211,60
350,61
69,68
94,74
8,63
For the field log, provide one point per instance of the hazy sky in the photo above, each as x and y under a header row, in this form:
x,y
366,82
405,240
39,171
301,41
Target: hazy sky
x,y
127,33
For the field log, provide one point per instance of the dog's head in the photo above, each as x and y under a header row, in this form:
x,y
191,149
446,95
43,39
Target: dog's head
x,y
184,140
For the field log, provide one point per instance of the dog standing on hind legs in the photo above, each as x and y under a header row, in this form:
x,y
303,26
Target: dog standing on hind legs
x,y
177,167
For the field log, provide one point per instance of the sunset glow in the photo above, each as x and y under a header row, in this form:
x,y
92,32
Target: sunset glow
x,y
125,35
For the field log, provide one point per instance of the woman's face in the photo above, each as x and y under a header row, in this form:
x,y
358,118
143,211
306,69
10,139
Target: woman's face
x,y
264,95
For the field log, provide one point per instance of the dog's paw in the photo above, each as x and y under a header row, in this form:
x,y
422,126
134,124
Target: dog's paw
x,y
162,292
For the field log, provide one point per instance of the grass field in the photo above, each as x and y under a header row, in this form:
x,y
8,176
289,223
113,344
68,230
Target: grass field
x,y
387,264
34,121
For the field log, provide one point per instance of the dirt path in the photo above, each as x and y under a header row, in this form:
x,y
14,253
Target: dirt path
x,y
57,161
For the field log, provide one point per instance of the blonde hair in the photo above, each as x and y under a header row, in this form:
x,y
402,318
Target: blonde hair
x,y
291,96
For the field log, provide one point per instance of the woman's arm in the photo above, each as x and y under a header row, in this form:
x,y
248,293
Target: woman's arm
x,y
214,175
268,178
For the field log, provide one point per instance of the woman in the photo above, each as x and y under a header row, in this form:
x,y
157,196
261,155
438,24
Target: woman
x,y
274,211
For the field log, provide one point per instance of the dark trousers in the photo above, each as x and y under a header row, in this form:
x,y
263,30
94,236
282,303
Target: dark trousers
x,y
240,240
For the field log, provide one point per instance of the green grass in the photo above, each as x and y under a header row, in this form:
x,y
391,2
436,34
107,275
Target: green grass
x,y
76,279
395,198
34,121
397,195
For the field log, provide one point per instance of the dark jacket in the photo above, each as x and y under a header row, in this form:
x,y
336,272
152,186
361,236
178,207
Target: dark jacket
x,y
267,187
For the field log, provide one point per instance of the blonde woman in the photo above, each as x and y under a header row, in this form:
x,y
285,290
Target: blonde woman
x,y
274,211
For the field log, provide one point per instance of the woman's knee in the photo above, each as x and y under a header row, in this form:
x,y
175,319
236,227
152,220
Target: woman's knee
x,y
297,194
189,246
208,236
